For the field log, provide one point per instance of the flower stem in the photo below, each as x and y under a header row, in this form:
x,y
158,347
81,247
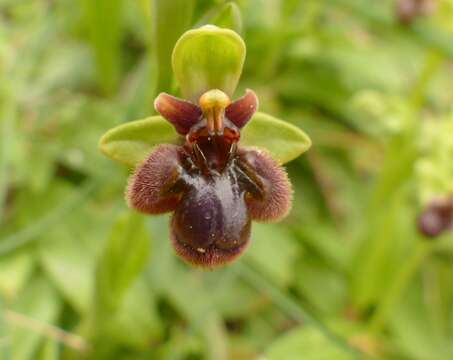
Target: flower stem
x,y
293,309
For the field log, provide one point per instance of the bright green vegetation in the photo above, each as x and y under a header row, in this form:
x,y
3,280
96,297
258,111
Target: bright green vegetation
x,y
345,276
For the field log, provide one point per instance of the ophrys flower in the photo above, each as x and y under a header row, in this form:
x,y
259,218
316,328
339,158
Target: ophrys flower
x,y
212,180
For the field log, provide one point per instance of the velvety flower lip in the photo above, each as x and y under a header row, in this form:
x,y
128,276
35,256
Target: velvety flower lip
x,y
277,190
206,258
146,187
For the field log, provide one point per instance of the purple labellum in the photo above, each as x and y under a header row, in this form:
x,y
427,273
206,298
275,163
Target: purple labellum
x,y
213,186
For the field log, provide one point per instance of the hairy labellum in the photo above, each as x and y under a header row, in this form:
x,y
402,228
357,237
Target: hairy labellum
x,y
213,186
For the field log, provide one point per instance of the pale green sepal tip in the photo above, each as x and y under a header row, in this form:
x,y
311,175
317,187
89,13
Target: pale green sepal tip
x,y
208,58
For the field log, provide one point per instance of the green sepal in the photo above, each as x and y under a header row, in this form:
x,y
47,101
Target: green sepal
x,y
208,58
131,143
283,140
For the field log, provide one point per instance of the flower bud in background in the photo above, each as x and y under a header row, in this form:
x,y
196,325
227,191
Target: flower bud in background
x,y
408,10
436,218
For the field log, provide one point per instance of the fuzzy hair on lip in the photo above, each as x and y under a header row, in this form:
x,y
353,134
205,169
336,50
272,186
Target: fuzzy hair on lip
x,y
144,187
210,257
278,190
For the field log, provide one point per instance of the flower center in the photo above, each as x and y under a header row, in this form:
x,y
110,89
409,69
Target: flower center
x,y
213,104
213,141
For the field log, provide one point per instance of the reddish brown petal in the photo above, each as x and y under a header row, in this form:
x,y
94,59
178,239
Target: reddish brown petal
x,y
277,199
181,113
242,110
146,190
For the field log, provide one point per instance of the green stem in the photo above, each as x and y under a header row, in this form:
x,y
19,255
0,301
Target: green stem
x,y
4,332
169,20
32,232
292,308
417,98
398,286
397,170
7,139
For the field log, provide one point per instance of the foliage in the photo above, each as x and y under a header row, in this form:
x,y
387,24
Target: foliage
x,y
347,275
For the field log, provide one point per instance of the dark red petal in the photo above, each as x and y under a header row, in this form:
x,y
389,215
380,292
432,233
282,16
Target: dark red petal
x,y
211,257
181,113
242,110
277,200
146,188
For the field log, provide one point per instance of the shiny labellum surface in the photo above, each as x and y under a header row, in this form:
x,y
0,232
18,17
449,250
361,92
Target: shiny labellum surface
x,y
213,186
211,225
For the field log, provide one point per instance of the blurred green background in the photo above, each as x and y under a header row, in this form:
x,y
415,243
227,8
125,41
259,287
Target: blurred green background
x,y
347,275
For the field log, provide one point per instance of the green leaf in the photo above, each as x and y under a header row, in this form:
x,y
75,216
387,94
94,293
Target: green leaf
x,y
169,20
228,16
307,343
69,264
132,142
208,58
418,333
137,320
311,272
35,229
120,263
123,258
4,332
14,272
38,303
104,33
50,350
262,248
283,140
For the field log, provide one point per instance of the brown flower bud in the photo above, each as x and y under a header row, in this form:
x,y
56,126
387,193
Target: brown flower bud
x,y
436,218
408,10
